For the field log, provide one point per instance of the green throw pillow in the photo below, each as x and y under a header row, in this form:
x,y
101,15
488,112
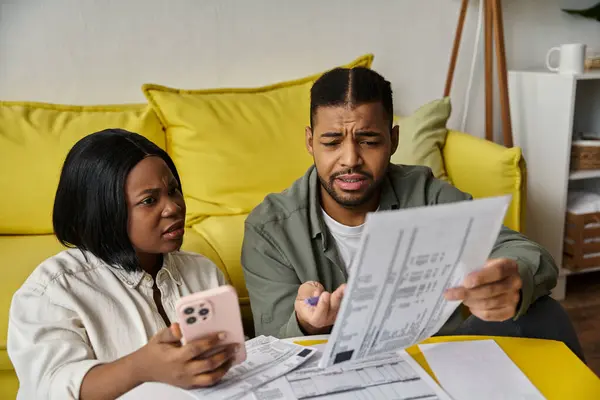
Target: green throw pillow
x,y
423,135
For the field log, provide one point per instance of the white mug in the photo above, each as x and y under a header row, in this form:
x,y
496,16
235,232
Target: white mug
x,y
572,59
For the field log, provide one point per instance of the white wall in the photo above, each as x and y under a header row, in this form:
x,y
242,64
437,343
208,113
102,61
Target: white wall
x,y
102,51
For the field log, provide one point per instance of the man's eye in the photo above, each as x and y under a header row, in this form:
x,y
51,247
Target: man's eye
x,y
370,143
148,201
330,144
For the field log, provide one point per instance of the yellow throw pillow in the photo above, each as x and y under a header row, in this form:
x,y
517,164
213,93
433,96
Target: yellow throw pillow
x,y
423,135
234,146
34,141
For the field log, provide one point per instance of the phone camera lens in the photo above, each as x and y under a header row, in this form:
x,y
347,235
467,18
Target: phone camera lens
x,y
204,311
191,320
188,310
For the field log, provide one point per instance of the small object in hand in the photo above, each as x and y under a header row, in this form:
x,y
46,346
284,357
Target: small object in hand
x,y
312,301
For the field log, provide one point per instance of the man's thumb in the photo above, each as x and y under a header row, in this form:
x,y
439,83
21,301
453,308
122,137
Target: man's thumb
x,y
310,288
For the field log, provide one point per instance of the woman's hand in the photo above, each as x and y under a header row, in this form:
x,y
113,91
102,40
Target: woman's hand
x,y
198,363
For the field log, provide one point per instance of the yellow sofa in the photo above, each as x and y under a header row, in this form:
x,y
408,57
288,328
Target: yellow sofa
x,y
35,137
473,164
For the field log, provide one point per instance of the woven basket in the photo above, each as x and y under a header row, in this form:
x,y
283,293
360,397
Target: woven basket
x,y
585,154
581,248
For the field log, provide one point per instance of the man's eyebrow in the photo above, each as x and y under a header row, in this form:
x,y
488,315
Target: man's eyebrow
x,y
331,135
368,134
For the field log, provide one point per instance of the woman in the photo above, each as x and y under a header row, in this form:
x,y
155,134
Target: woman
x,y
97,320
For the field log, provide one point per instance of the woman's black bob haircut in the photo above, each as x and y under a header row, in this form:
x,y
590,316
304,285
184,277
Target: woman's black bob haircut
x,y
90,207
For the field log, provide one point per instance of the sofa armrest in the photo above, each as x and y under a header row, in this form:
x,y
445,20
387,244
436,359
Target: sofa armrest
x,y
485,169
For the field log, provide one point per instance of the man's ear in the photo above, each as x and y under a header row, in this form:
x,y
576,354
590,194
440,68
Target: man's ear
x,y
309,139
394,137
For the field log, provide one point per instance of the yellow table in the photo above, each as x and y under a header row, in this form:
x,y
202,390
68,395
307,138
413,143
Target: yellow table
x,y
549,365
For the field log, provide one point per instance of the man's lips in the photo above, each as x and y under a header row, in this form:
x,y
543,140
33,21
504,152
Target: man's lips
x,y
351,182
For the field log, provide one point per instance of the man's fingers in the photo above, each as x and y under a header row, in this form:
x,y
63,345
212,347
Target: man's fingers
x,y
506,285
457,293
496,315
336,299
309,289
491,303
494,270
322,310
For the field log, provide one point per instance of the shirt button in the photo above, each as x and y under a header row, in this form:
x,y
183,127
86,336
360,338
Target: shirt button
x,y
148,280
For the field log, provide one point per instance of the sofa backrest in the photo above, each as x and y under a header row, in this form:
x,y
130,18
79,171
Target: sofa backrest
x,y
34,141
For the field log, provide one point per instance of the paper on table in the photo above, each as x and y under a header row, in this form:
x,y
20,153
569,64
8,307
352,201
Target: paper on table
x,y
267,359
480,369
407,258
398,377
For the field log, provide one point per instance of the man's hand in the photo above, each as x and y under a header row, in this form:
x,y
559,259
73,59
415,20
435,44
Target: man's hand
x,y
320,318
493,293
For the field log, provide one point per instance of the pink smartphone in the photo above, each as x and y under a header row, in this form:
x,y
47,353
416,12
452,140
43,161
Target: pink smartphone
x,y
211,311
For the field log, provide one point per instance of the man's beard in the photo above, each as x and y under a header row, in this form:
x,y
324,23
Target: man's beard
x,y
350,202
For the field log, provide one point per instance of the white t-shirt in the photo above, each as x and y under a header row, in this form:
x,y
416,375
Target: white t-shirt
x,y
72,314
347,239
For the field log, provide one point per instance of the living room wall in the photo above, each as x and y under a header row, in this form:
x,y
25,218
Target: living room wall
x,y
101,51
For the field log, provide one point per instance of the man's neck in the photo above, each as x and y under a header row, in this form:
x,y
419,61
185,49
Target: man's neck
x,y
349,216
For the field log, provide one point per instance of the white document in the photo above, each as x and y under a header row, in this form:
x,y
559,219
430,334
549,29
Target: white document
x,y
397,377
406,260
480,369
268,358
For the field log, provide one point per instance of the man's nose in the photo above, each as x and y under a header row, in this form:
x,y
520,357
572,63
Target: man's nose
x,y
350,156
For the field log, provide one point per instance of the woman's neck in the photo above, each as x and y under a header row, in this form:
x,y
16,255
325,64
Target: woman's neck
x,y
151,263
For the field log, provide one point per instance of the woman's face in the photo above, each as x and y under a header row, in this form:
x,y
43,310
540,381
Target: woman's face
x,y
156,208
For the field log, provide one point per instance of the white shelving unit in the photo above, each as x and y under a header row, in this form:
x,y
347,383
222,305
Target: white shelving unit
x,y
546,110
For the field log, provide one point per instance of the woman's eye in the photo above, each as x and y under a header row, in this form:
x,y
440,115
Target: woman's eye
x,y
148,201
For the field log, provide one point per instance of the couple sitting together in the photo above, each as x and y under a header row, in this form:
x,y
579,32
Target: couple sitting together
x,y
98,319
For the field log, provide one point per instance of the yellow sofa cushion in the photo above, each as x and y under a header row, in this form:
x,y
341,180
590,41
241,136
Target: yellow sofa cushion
x,y
234,146
225,234
20,256
422,136
34,141
484,169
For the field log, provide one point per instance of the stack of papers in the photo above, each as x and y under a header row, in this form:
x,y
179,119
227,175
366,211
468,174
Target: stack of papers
x,y
267,359
396,376
281,370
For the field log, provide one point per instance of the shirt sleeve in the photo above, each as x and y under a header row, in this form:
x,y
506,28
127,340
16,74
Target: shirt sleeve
x,y
537,268
272,285
47,345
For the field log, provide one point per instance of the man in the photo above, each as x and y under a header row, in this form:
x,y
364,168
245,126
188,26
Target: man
x,y
300,243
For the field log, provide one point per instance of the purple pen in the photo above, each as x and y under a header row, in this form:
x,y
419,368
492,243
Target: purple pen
x,y
312,301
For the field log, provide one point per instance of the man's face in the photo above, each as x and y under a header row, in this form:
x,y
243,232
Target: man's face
x,y
351,148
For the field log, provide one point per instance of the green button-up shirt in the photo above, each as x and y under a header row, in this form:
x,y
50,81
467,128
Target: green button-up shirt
x,y
287,243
